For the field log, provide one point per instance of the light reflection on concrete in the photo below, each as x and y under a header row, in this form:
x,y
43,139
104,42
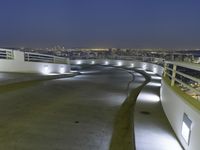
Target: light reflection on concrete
x,y
89,72
154,84
149,97
152,129
156,77
150,72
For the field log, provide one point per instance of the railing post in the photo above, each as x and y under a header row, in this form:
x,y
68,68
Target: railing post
x,y
7,55
28,57
165,69
12,55
173,75
54,59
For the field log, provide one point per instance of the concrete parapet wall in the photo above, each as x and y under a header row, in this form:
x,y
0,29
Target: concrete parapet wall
x,y
125,63
19,65
175,107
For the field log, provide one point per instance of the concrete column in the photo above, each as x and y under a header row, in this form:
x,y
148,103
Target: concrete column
x,y
54,59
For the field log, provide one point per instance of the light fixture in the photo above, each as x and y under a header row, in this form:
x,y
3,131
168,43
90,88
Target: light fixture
x,y
106,62
144,66
119,63
186,128
78,62
154,69
46,70
132,65
93,62
62,70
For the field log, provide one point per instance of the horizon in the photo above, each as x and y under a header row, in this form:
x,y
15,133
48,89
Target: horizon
x,y
97,48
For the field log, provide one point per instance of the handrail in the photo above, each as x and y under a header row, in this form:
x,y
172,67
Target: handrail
x,y
188,76
188,65
33,57
176,75
37,57
6,54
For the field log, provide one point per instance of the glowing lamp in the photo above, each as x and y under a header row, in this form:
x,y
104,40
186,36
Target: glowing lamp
x,y
155,70
132,65
106,62
119,63
46,70
144,66
186,128
93,62
78,62
62,70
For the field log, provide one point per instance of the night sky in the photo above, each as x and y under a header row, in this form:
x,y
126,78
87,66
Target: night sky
x,y
100,23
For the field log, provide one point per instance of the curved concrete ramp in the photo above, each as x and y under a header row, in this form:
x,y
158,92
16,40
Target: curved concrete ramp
x,y
152,129
64,114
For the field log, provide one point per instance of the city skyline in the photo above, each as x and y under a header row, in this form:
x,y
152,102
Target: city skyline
x,y
134,24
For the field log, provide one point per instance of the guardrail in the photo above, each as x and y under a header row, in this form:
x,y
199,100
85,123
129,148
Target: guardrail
x,y
36,57
6,54
184,75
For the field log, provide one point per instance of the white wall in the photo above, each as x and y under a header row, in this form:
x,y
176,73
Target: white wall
x,y
19,65
126,63
174,107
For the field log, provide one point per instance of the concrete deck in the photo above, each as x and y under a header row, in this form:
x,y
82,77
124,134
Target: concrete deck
x,y
78,113
64,114
152,129
9,77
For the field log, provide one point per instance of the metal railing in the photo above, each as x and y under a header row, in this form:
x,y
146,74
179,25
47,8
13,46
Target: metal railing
x,y
184,75
6,54
36,57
